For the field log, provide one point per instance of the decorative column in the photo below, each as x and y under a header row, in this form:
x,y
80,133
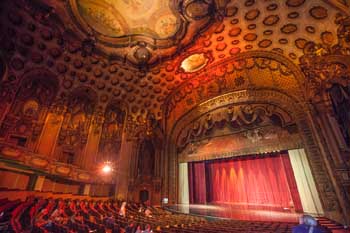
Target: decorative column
x,y
331,133
91,148
327,79
49,135
7,95
127,154
127,151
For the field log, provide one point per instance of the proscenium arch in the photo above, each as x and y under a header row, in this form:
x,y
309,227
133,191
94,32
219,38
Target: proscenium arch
x,y
274,67
234,98
296,105
299,76
247,97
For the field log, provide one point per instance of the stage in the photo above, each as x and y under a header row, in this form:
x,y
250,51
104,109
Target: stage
x,y
276,187
236,212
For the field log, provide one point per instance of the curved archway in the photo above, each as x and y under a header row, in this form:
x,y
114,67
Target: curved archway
x,y
40,80
269,79
25,119
249,70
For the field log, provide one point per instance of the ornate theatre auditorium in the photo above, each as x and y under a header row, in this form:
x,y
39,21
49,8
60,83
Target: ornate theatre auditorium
x,y
238,109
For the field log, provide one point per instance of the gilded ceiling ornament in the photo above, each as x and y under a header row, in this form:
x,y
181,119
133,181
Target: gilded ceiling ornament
x,y
318,12
295,3
235,31
289,28
271,20
194,62
327,62
252,14
141,31
293,15
264,43
272,7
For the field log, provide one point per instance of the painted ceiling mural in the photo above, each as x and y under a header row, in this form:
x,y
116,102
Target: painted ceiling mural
x,y
138,31
117,18
180,63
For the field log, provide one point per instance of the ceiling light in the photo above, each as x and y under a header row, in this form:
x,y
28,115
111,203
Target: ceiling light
x,y
194,62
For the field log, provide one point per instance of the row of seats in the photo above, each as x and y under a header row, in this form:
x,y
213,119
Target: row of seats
x,y
43,215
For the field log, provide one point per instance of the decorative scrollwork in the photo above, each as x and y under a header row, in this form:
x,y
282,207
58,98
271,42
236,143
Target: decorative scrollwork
x,y
236,118
112,130
161,24
27,114
324,64
74,132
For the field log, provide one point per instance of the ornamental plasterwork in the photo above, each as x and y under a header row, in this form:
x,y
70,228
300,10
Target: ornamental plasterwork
x,y
142,32
252,96
290,106
53,38
250,125
256,141
113,18
250,70
235,118
328,62
42,163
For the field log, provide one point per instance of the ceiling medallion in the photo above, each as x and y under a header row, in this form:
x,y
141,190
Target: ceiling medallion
x,y
141,32
194,62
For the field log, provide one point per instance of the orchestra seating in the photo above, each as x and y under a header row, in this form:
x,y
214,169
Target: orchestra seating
x,y
34,214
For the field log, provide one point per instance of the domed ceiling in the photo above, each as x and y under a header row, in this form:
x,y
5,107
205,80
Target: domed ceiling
x,y
115,18
151,54
139,31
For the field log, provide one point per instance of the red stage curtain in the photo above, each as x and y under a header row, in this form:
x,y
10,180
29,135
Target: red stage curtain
x,y
197,182
291,182
260,182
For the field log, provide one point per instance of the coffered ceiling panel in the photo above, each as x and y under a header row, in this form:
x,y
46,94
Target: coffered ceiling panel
x,y
142,52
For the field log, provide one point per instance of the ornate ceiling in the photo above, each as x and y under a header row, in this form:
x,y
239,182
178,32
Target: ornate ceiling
x,y
114,18
138,55
139,31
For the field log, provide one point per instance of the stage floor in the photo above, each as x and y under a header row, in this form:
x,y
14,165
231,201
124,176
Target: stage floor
x,y
236,212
